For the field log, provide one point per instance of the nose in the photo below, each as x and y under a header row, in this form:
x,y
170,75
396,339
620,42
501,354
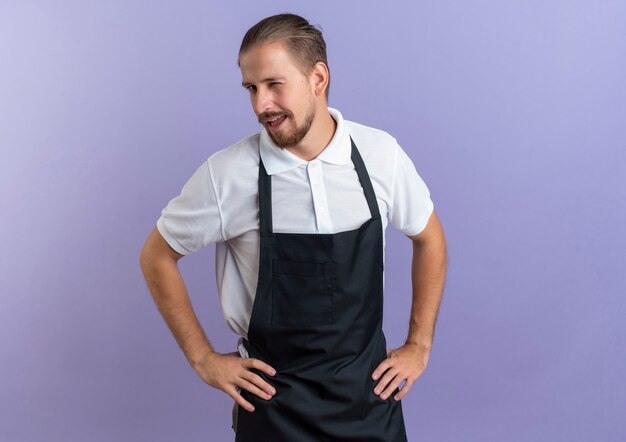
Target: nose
x,y
261,100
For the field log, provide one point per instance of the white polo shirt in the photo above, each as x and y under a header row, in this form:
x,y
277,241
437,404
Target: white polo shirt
x,y
219,203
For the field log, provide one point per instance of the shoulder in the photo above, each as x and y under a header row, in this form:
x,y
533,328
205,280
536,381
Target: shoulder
x,y
377,147
240,155
369,135
234,174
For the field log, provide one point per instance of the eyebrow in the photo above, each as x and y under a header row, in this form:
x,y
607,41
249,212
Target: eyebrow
x,y
266,80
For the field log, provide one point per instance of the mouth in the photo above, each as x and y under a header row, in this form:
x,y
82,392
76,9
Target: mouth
x,y
276,122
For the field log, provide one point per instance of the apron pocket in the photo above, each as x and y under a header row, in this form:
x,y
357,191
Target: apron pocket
x,y
302,293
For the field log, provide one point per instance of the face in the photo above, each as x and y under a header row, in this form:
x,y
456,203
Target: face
x,y
282,98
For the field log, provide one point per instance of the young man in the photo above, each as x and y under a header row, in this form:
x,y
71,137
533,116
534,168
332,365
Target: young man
x,y
298,214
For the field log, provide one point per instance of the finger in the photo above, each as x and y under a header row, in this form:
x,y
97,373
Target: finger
x,y
258,381
388,377
259,365
240,400
243,383
392,386
404,390
382,367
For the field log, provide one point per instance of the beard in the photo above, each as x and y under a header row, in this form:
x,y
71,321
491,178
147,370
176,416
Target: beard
x,y
285,138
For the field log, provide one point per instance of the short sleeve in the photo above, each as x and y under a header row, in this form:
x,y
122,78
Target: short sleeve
x,y
411,205
192,220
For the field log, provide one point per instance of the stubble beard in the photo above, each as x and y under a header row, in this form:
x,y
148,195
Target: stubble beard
x,y
287,139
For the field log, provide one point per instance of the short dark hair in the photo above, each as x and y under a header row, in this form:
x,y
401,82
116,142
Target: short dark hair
x,y
303,41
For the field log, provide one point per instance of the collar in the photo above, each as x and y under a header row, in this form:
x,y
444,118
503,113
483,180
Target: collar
x,y
277,160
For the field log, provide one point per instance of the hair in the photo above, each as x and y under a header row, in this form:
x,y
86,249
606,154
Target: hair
x,y
303,41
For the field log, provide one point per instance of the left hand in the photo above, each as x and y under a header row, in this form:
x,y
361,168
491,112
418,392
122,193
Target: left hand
x,y
404,363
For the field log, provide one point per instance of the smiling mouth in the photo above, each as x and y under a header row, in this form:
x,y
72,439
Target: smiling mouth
x,y
276,122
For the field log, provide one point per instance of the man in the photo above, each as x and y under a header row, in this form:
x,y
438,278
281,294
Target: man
x,y
298,214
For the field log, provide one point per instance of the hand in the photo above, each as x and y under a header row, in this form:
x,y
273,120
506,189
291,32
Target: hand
x,y
405,363
227,371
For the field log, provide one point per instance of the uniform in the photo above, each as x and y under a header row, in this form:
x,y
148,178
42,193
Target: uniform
x,y
299,260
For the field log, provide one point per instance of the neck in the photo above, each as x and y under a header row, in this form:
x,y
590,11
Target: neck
x,y
315,141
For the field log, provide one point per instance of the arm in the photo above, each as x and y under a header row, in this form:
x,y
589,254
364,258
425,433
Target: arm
x,y
159,263
428,275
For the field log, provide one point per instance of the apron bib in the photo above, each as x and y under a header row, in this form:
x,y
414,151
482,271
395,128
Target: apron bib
x,y
317,319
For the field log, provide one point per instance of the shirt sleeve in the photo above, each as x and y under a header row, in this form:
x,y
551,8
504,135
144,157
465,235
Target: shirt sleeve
x,y
411,205
192,220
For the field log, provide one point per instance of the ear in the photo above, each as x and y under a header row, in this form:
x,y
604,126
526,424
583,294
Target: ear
x,y
319,77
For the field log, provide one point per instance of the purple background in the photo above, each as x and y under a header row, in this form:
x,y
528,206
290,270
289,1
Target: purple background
x,y
513,112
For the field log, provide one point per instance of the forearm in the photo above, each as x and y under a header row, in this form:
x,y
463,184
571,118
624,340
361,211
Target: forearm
x,y
428,271
170,295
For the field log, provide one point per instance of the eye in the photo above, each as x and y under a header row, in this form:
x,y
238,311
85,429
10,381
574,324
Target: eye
x,y
250,88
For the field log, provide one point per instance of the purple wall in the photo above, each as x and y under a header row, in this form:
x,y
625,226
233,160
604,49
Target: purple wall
x,y
513,112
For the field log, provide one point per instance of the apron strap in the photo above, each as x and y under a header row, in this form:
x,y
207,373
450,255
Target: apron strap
x,y
265,191
366,183
265,200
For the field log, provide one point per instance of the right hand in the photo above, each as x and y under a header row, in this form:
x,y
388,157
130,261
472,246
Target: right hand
x,y
227,371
